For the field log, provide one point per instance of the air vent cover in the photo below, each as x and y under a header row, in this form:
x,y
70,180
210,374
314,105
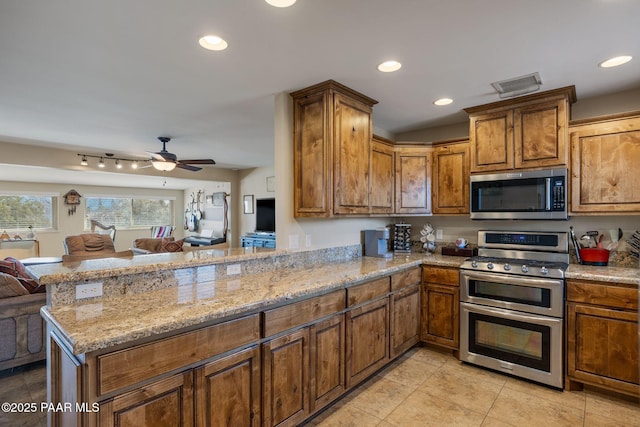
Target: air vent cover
x,y
518,85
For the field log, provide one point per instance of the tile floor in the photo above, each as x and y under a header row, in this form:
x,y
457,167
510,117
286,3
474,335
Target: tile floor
x,y
424,387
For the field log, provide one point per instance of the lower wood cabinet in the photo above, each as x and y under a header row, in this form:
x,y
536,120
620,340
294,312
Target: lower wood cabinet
x,y
602,336
164,403
367,340
326,361
237,378
285,370
441,306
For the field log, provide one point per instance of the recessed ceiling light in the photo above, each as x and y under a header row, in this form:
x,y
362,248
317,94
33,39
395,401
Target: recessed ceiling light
x,y
281,3
389,66
614,62
212,42
443,101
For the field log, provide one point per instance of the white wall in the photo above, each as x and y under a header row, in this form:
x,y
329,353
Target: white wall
x,y
67,225
254,182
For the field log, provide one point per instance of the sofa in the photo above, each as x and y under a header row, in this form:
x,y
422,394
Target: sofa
x,y
22,329
168,244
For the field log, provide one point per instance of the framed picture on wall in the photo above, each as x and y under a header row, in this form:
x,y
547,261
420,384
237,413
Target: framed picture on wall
x,y
248,203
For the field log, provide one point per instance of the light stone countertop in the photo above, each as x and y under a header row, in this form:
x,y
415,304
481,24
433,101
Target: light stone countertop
x,y
99,324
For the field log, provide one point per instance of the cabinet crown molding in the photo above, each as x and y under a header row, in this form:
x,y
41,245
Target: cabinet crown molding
x,y
568,92
336,87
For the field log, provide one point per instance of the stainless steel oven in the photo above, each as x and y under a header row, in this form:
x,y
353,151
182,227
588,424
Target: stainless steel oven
x,y
511,308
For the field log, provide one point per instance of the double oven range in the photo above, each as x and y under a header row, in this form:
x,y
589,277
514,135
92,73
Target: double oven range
x,y
512,304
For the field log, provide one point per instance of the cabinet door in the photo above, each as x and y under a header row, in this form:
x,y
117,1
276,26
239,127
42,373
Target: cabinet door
x,y
312,185
351,155
381,196
413,180
441,315
491,141
451,179
326,361
228,390
285,368
367,340
602,347
605,165
405,319
540,134
164,403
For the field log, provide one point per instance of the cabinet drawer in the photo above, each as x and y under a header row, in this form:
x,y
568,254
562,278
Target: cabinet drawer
x,y
601,293
443,276
292,315
130,366
406,278
367,291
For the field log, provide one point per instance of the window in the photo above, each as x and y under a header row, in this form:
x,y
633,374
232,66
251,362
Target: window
x,y
127,212
19,211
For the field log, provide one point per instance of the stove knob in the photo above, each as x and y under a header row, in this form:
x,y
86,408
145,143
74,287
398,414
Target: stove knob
x,y
507,267
544,271
525,268
474,264
490,266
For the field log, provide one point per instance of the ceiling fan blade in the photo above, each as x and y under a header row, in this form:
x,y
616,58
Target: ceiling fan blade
x,y
199,162
188,167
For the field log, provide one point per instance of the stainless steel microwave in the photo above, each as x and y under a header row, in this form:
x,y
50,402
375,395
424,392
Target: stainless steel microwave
x,y
540,194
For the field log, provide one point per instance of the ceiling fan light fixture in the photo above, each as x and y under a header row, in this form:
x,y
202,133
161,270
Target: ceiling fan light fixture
x,y
281,3
212,42
163,166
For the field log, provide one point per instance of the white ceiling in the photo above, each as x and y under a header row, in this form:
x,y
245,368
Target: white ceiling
x,y
113,75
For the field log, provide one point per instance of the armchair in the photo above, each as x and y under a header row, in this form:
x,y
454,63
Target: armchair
x,y
91,246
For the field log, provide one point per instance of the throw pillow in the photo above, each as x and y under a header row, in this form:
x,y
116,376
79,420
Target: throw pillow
x,y
16,269
11,287
171,245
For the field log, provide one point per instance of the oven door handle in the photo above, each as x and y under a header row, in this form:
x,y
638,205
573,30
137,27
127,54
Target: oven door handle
x,y
510,279
509,314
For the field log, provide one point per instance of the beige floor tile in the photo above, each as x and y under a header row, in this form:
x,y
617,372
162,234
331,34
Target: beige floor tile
x,y
593,420
421,409
524,409
428,355
492,422
410,372
472,392
462,369
619,409
381,396
574,399
344,415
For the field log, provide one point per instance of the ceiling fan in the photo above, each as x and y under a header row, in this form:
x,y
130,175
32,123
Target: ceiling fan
x,y
166,161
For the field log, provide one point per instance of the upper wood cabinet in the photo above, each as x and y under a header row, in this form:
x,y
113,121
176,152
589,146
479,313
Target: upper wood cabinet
x,y
605,165
525,132
382,181
332,137
413,180
450,177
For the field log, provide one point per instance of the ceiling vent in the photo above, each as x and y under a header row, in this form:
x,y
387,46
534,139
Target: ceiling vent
x,y
518,85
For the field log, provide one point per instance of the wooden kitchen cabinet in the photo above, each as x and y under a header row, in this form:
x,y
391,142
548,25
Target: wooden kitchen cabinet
x,y
285,371
332,137
326,361
441,306
382,186
237,375
405,311
450,177
605,165
167,402
526,132
602,336
367,329
413,180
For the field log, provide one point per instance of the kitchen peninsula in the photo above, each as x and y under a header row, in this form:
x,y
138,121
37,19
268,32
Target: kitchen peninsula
x,y
174,335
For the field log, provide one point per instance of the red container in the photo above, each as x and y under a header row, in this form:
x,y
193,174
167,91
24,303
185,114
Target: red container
x,y
594,256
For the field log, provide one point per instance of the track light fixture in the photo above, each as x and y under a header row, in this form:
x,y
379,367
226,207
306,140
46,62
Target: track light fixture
x,y
118,161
